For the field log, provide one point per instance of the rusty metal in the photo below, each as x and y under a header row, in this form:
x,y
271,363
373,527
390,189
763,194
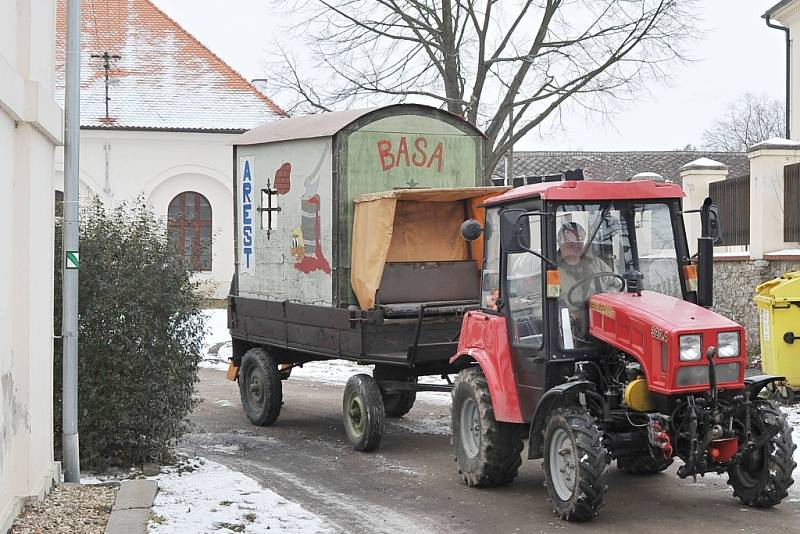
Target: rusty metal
x,y
732,196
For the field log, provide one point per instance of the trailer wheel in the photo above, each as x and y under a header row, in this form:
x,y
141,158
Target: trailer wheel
x,y
488,452
642,465
398,403
260,387
574,464
362,410
763,476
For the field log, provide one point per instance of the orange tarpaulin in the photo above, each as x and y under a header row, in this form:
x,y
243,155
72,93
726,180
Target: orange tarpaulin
x,y
412,225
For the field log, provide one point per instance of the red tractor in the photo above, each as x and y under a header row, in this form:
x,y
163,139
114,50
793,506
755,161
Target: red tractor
x,y
594,337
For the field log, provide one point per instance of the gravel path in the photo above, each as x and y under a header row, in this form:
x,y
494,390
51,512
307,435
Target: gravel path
x,y
69,509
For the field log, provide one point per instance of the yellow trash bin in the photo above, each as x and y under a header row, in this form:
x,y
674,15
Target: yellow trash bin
x,y
778,304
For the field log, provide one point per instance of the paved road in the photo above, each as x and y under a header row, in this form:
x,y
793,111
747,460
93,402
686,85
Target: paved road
x,y
411,485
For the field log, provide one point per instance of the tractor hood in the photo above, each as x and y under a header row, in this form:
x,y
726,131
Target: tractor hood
x,y
650,326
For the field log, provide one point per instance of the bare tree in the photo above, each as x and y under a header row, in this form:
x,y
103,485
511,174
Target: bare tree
x,y
507,66
748,120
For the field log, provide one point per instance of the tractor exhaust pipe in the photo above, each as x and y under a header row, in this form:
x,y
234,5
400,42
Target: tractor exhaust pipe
x,y
705,271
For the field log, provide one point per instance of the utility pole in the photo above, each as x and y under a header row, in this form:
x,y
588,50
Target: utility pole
x,y
71,259
106,57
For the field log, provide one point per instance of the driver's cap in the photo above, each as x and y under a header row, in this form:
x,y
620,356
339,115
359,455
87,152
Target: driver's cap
x,y
571,231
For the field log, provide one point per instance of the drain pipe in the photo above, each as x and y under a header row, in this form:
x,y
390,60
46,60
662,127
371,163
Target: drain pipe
x,y
788,67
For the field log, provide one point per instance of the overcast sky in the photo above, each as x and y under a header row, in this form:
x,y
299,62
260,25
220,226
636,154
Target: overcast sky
x,y
736,53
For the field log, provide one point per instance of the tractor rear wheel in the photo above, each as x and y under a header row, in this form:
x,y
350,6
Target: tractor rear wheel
x,y
763,475
574,464
642,465
488,452
260,387
362,411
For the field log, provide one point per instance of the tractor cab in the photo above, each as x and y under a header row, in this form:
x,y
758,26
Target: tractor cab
x,y
560,244
595,336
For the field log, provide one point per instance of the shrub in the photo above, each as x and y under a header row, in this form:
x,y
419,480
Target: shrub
x,y
140,337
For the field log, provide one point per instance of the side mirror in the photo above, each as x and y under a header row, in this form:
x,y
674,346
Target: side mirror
x,y
471,229
710,221
515,231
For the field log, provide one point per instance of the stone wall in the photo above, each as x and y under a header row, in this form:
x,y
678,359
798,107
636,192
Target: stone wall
x,y
734,287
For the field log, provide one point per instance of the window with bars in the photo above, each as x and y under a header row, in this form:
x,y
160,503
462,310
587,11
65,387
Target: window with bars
x,y
189,229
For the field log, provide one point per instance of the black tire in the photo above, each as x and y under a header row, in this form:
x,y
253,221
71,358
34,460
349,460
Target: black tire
x,y
642,465
399,403
260,387
763,476
362,412
488,452
572,442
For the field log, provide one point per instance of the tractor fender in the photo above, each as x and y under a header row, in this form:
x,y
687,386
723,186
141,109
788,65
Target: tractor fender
x,y
501,381
754,384
554,398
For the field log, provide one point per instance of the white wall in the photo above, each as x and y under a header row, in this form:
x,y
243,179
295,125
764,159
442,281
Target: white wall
x,y
30,126
790,16
119,165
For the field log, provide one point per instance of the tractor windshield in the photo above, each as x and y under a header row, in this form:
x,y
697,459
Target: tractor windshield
x,y
598,244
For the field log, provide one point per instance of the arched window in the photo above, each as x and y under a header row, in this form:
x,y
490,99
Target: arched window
x,y
189,228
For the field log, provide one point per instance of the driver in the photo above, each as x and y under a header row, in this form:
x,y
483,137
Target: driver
x,y
575,264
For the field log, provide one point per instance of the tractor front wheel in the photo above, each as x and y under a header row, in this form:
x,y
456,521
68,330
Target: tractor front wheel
x,y
762,477
574,464
488,452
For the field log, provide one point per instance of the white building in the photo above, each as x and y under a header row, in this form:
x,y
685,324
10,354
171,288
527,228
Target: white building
x,y
164,132
31,124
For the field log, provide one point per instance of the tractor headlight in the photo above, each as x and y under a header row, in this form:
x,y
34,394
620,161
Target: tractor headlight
x,y
690,347
728,344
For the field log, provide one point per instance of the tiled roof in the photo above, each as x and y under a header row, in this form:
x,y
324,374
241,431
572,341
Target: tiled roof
x,y
621,165
164,78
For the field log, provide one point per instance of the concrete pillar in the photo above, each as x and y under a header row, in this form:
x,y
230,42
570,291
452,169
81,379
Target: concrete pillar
x,y
767,160
695,177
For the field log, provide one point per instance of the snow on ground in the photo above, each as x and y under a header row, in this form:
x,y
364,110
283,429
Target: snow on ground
x,y
793,416
217,349
201,496
217,344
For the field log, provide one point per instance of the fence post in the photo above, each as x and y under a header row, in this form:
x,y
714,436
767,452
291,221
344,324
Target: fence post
x,y
767,160
695,177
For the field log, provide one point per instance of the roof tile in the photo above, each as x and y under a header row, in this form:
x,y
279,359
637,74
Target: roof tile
x,y
164,78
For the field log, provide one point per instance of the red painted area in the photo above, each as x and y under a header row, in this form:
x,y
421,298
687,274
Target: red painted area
x,y
639,324
283,179
485,339
317,262
591,190
391,157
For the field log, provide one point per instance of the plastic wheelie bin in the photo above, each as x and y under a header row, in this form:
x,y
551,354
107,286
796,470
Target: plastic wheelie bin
x,y
778,304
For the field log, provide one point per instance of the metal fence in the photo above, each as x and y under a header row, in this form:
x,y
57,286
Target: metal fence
x,y
732,196
791,203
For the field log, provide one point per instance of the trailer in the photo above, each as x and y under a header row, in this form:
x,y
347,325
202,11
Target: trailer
x,y
348,247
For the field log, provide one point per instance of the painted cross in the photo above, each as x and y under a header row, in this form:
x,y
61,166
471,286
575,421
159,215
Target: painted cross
x,y
72,258
412,184
270,192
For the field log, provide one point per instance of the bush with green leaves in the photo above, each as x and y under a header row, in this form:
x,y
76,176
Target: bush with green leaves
x,y
140,337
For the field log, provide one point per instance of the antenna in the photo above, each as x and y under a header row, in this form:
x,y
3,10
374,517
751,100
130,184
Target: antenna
x,y
106,57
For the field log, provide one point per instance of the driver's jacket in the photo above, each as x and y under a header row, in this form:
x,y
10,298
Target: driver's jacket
x,y
571,275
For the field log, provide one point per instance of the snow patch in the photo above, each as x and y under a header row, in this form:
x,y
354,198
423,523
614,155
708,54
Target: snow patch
x,y
202,496
217,347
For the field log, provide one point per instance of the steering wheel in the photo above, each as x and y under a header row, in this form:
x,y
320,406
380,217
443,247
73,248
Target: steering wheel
x,y
589,278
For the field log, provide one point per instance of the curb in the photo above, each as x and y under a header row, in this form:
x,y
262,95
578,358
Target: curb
x,y
131,511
